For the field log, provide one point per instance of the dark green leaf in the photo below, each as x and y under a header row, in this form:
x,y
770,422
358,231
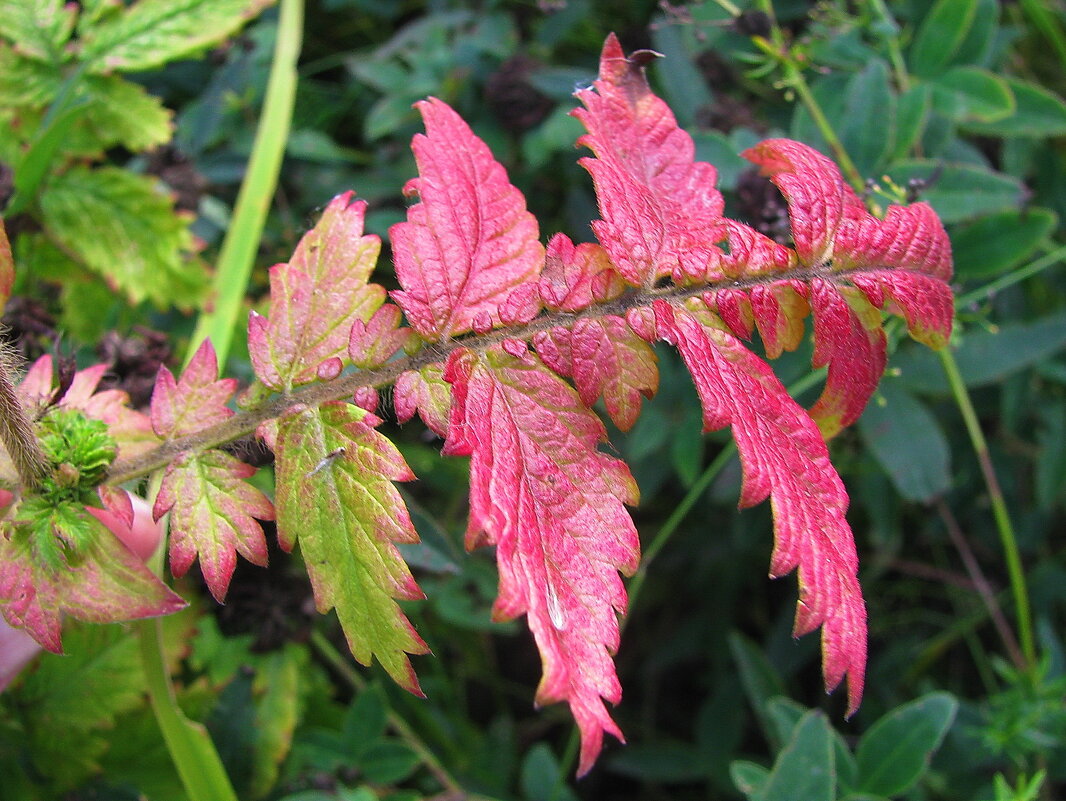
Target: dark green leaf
x,y
541,778
971,94
388,762
761,682
749,777
940,36
804,768
895,752
1038,112
960,192
991,245
867,126
907,442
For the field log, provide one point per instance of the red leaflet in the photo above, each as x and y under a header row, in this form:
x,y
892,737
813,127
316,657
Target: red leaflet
x,y
316,297
211,505
424,391
470,242
605,358
661,213
576,277
905,258
783,457
554,506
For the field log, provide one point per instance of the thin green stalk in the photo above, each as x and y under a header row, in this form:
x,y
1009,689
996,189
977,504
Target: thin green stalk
x,y
249,215
1044,21
189,744
1014,277
1019,590
895,54
326,650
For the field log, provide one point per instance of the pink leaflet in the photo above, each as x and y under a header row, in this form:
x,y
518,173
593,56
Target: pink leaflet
x,y
373,342
469,242
784,458
924,301
854,347
315,298
661,214
554,506
605,358
832,228
576,277
211,509
107,584
196,401
426,392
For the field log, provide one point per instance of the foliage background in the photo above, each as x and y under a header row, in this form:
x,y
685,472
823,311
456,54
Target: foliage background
x,y
956,101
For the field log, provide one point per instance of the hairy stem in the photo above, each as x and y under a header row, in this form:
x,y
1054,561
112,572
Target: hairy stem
x,y
345,385
16,431
1019,590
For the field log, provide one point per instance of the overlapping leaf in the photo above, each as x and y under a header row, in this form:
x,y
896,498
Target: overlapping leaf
x,y
784,458
554,507
213,509
315,299
661,214
470,243
105,583
336,497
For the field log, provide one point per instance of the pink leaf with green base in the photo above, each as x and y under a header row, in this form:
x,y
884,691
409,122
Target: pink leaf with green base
x,y
105,583
470,243
554,507
336,497
316,297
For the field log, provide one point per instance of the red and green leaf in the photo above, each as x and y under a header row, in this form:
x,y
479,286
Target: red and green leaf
x,y
661,214
103,583
784,458
316,297
554,507
426,392
336,497
213,516
195,402
469,243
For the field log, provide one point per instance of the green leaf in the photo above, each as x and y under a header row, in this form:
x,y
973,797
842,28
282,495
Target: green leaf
x,y
75,699
541,778
388,762
1038,113
992,245
684,86
890,427
123,113
1051,461
868,124
153,32
804,768
748,777
912,111
960,191
895,752
761,682
335,495
124,227
971,94
38,28
940,36
985,357
365,722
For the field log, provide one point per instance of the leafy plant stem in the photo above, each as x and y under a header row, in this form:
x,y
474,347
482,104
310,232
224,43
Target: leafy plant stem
x,y
327,651
984,589
1004,526
891,40
663,535
346,384
1014,277
189,744
253,201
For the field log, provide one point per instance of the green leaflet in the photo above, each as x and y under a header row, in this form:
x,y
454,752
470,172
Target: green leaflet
x,y
40,27
120,225
152,32
335,495
123,113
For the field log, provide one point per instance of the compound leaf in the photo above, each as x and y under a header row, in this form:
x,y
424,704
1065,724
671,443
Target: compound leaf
x,y
554,507
469,243
336,497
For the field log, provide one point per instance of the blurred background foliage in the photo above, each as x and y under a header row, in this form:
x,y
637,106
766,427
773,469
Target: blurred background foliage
x,y
957,102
